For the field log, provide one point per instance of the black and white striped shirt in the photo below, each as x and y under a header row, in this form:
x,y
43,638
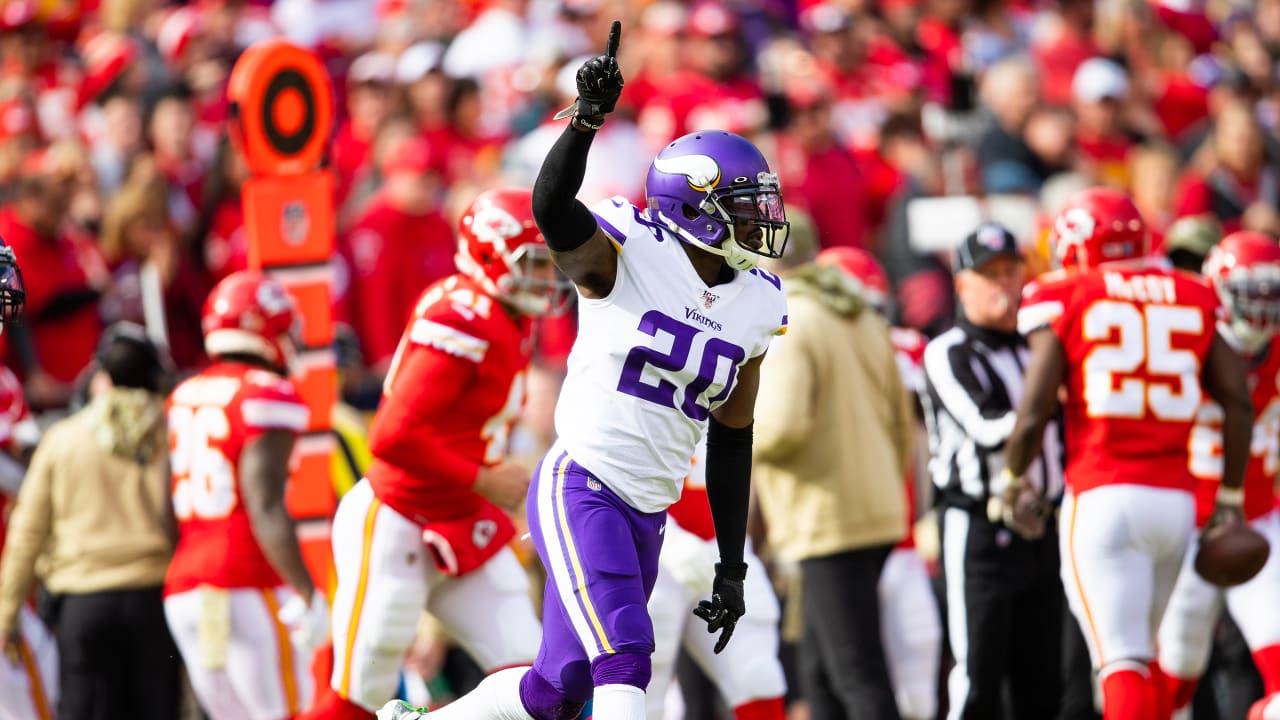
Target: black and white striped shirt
x,y
974,383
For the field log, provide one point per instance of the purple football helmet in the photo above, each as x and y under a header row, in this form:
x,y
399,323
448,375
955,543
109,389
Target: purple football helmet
x,y
13,293
711,186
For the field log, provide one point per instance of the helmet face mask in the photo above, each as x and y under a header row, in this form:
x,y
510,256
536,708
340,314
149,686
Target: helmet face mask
x,y
1244,269
1254,304
13,291
530,294
714,190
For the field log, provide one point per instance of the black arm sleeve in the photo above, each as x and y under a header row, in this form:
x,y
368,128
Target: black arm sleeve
x,y
564,221
729,487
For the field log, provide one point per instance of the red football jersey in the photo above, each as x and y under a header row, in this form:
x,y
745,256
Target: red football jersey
x,y
1264,456
1135,336
455,388
908,347
693,511
213,417
17,428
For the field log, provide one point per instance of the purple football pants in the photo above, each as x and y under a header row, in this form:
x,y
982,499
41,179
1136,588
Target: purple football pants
x,y
601,557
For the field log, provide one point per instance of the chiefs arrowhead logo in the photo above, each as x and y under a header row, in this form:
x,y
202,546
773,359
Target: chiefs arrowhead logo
x,y
483,532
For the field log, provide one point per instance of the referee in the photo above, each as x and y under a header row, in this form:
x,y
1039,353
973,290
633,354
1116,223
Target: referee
x,y
1003,595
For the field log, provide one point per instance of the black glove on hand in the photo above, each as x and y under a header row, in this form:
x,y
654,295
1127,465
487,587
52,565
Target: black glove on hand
x,y
726,605
599,84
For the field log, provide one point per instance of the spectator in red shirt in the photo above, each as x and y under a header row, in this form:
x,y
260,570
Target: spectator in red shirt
x,y
219,238
1099,91
819,173
119,139
662,30
399,246
1153,169
469,153
1237,183
1062,47
714,90
139,242
64,279
170,129
18,137
370,101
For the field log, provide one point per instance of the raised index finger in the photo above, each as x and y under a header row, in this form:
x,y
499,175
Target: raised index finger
x,y
615,34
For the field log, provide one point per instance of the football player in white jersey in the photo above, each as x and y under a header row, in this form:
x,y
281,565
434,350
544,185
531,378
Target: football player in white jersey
x,y
674,319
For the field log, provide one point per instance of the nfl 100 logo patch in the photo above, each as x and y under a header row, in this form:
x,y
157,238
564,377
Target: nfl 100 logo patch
x,y
709,298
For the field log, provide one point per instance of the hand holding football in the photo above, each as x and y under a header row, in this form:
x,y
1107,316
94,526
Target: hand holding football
x,y
1231,554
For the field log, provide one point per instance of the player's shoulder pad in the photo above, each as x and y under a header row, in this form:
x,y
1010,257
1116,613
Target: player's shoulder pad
x,y
770,286
271,402
1044,299
264,383
455,316
622,222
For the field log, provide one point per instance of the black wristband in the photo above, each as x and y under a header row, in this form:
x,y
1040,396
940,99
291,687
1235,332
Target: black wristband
x,y
729,487
564,221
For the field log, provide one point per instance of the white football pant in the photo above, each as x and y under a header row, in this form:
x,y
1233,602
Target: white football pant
x,y
1186,633
29,690
747,669
241,660
911,631
386,578
1122,547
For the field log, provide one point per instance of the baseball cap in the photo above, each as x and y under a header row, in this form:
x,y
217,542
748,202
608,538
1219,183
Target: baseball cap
x,y
417,60
984,244
712,20
412,155
1196,234
1099,79
373,67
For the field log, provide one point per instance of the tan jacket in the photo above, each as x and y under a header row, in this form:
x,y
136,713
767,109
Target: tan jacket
x,y
832,424
94,507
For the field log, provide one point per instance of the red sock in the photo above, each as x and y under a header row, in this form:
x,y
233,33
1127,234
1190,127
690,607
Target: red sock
x,y
1181,690
768,709
1160,687
1268,661
1128,695
1268,708
321,671
331,707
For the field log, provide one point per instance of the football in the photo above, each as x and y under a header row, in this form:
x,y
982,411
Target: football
x,y
1231,554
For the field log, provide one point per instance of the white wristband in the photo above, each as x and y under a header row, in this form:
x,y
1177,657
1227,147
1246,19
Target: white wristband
x,y
1230,496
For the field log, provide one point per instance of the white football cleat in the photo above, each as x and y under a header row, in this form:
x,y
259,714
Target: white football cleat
x,y
400,710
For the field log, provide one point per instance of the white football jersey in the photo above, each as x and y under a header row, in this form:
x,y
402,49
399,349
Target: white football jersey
x,y
655,357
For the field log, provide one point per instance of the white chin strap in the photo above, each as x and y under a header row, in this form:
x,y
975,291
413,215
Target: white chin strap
x,y
736,256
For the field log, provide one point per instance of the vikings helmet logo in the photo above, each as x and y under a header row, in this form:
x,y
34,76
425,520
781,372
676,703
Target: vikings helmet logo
x,y
702,171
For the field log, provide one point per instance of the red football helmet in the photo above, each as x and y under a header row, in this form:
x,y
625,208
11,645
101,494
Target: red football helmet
x,y
499,245
1245,270
1096,226
249,313
863,268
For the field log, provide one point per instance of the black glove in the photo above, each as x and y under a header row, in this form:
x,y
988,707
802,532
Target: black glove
x,y
726,605
599,84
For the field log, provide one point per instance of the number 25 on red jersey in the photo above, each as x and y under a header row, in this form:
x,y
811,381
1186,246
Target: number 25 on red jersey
x,y
1136,344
